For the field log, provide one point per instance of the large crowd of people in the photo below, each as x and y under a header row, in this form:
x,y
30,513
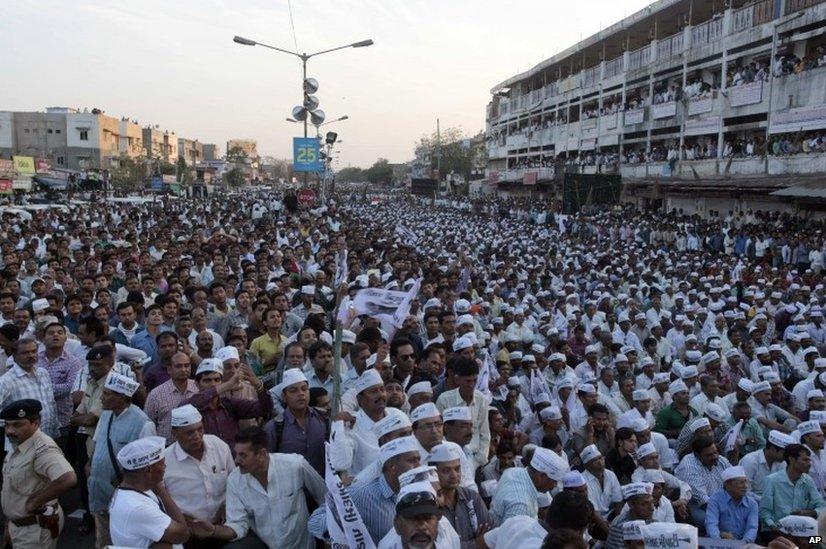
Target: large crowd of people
x,y
396,372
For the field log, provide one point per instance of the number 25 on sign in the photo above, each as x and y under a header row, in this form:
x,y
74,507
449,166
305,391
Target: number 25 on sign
x,y
305,155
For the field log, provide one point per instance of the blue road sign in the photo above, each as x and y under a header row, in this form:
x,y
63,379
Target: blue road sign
x,y
306,156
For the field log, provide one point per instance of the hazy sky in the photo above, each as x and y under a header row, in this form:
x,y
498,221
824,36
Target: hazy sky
x,y
173,63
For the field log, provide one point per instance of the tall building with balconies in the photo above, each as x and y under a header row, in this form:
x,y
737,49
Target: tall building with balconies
x,y
695,107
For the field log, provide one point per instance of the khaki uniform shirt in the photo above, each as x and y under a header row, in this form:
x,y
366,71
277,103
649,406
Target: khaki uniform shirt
x,y
29,468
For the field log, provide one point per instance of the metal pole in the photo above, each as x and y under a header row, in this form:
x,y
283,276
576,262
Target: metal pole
x,y
335,401
304,74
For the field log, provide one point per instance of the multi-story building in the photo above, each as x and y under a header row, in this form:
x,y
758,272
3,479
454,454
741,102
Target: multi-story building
x,y
697,106
248,146
37,134
191,149
212,151
131,139
153,143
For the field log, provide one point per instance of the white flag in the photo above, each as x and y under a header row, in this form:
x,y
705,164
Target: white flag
x,y
406,234
341,269
351,532
483,381
387,306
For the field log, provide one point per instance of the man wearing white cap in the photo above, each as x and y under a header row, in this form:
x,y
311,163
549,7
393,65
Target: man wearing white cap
x,y
769,415
462,506
171,393
466,373
604,490
732,512
817,380
120,422
266,497
761,463
302,429
394,425
641,410
709,392
142,512
671,419
197,467
375,500
811,436
519,488
640,507
361,441
790,491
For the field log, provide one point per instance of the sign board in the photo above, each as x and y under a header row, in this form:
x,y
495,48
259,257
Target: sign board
x,y
700,105
157,183
43,165
493,178
23,164
6,167
664,110
609,121
5,186
589,123
306,156
588,144
529,178
637,116
662,535
800,119
306,196
746,94
608,140
702,126
573,144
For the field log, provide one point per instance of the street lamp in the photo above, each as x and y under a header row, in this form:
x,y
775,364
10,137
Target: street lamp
x,y
303,56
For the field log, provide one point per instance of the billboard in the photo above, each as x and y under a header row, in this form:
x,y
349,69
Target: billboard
x,y
423,186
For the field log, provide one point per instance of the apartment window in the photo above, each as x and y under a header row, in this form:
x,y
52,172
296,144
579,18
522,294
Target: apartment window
x,y
26,130
57,131
84,135
50,130
60,161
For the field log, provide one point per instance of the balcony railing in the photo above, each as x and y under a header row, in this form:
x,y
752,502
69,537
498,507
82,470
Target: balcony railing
x,y
639,58
590,76
752,15
800,5
707,32
613,67
670,46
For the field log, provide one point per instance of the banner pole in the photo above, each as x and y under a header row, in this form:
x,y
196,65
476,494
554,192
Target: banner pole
x,y
335,398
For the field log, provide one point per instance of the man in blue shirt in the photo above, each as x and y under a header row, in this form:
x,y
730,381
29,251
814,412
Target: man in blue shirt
x,y
790,491
731,512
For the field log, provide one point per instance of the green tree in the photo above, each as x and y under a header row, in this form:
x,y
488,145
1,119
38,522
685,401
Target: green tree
x,y
236,155
234,178
380,173
128,176
449,151
184,172
351,175
167,168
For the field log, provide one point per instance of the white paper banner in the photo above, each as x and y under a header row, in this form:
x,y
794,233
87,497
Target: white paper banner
x,y
352,528
636,116
664,110
746,94
666,535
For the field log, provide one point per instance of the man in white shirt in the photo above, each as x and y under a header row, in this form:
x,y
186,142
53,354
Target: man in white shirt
x,y
603,486
266,497
761,463
197,466
136,518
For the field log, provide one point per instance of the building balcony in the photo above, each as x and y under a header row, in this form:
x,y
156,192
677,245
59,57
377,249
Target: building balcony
x,y
693,170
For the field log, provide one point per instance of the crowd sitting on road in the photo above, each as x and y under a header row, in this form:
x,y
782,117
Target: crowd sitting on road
x,y
397,371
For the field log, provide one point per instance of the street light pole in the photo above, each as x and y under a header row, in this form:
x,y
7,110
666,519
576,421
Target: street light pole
x,y
304,58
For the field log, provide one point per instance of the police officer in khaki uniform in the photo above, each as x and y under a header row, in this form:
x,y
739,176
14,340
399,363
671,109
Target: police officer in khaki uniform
x,y
35,474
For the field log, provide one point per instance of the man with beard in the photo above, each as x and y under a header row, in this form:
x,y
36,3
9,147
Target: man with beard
x,y
266,497
35,474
